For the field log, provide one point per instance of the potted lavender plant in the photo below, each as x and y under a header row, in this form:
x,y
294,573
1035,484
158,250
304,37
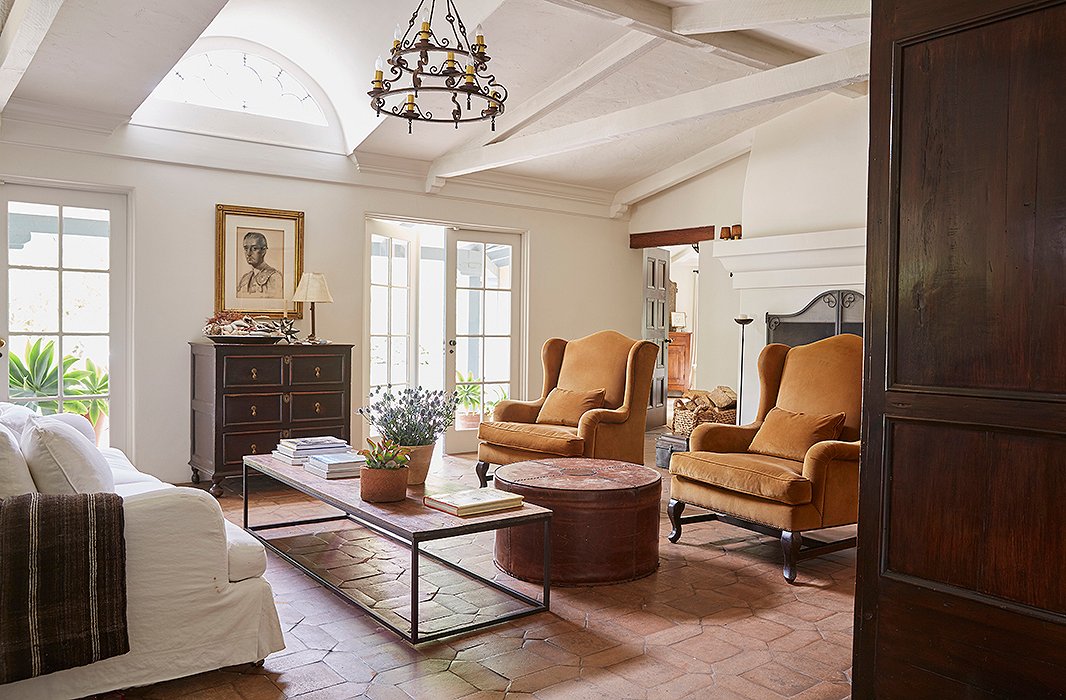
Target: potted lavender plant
x,y
413,419
384,477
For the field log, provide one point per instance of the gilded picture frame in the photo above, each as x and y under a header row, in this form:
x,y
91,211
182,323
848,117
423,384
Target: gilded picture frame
x,y
259,259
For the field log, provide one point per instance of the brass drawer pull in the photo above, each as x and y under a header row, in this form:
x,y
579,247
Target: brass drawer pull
x,y
253,410
285,398
287,359
318,407
285,434
255,374
255,450
318,371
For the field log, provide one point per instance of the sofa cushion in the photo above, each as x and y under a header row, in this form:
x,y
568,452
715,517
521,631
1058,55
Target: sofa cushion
x,y
14,417
247,557
132,488
565,407
117,459
789,434
15,476
773,478
552,439
80,423
62,461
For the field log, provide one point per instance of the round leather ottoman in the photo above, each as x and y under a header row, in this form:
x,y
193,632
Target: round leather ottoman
x,y
605,521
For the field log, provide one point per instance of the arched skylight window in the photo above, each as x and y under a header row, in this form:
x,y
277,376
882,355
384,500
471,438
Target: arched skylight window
x,y
240,82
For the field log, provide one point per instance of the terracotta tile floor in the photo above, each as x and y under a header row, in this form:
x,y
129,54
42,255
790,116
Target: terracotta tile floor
x,y
716,621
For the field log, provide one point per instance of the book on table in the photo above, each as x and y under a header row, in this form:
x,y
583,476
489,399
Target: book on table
x,y
306,447
334,473
473,501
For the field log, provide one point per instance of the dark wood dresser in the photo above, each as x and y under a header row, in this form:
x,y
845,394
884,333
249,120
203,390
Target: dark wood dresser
x,y
245,398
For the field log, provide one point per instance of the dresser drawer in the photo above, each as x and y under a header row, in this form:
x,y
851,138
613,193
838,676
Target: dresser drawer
x,y
236,445
252,370
319,405
316,369
252,409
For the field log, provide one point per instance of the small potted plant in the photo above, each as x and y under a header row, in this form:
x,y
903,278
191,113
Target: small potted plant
x,y
413,419
384,477
469,395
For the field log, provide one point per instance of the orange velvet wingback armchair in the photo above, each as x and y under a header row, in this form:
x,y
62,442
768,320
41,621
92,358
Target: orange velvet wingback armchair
x,y
772,495
608,361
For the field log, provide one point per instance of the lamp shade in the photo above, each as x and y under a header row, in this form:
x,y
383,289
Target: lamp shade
x,y
312,287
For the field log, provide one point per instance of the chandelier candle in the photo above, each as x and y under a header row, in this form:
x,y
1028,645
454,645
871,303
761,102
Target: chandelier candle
x,y
422,78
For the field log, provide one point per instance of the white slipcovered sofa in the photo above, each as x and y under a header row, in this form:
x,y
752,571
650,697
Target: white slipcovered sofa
x,y
196,596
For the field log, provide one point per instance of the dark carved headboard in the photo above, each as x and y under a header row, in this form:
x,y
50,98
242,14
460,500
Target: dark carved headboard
x,y
830,313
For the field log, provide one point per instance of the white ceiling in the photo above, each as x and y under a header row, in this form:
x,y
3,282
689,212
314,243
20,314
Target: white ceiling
x,y
105,56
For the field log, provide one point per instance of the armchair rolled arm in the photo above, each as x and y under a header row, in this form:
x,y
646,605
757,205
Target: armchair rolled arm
x,y
590,420
722,437
822,454
510,411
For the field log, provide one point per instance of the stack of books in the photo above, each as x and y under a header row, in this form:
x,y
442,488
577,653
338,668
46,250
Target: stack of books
x,y
340,465
296,451
474,501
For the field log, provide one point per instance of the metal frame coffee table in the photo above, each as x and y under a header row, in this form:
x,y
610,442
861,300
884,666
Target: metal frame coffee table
x,y
407,522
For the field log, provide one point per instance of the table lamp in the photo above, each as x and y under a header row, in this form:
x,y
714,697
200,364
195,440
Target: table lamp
x,y
312,288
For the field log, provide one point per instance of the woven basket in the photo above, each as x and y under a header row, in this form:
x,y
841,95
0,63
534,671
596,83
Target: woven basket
x,y
687,416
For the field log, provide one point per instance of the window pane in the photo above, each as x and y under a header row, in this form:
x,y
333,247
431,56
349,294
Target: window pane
x,y
495,393
86,238
497,313
398,369
399,311
33,370
399,263
85,302
379,310
469,264
379,361
33,234
34,301
379,260
497,359
498,266
83,377
468,312
468,359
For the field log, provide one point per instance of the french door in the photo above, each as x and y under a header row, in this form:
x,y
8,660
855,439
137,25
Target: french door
x,y
63,305
483,328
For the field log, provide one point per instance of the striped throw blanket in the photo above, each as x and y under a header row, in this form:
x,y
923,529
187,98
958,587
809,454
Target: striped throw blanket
x,y
62,583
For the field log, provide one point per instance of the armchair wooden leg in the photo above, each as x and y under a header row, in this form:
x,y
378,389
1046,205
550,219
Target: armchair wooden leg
x,y
483,477
790,545
674,511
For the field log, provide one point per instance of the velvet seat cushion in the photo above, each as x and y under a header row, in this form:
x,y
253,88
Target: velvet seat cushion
x,y
789,434
565,407
767,477
535,437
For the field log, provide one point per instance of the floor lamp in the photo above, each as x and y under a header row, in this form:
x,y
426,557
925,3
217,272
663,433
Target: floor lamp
x,y
742,320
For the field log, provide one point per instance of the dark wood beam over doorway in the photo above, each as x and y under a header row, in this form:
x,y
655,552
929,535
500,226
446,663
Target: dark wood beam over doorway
x,y
677,236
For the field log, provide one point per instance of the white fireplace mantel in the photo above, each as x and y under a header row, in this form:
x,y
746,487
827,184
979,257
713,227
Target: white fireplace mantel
x,y
818,259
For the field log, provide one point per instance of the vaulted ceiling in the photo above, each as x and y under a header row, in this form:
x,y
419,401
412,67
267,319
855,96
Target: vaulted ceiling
x,y
606,94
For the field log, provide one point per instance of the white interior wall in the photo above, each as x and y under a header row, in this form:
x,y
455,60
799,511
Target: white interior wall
x,y
173,250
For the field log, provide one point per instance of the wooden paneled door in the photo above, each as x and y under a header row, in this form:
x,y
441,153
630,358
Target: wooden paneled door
x,y
961,587
656,326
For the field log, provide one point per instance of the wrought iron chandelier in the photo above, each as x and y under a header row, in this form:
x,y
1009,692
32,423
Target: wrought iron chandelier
x,y
448,73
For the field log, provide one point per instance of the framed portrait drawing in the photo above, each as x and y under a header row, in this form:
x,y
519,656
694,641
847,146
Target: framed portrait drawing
x,y
259,258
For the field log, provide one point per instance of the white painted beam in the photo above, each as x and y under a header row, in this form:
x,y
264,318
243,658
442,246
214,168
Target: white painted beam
x,y
625,50
687,169
826,72
24,30
729,15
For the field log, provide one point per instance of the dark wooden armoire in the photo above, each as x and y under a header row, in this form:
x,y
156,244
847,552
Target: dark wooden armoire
x,y
962,522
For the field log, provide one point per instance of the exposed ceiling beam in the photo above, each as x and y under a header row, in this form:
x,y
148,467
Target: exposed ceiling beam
x,y
24,30
677,236
729,15
625,50
687,169
825,72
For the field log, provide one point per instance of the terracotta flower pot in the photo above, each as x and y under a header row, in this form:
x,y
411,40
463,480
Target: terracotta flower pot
x,y
467,421
383,485
418,463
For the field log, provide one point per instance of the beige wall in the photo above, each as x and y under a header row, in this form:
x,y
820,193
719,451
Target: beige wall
x,y
172,263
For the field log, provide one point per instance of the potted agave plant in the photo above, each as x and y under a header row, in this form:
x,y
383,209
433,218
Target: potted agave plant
x,y
383,479
413,419
469,397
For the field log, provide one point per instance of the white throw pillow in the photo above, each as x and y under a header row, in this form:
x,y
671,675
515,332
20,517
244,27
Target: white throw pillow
x,y
14,417
75,421
63,461
15,476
